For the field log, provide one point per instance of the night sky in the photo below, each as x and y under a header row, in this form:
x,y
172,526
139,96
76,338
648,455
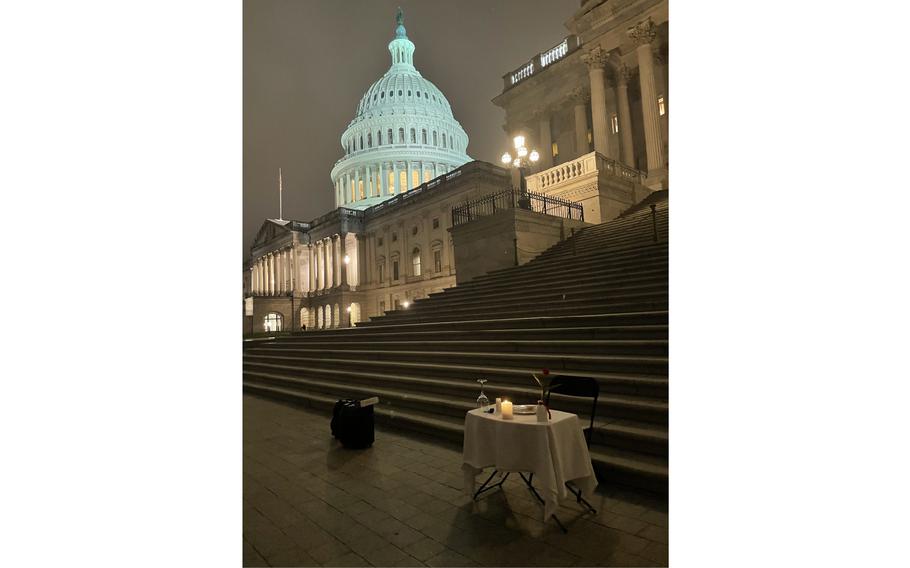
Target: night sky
x,y
307,63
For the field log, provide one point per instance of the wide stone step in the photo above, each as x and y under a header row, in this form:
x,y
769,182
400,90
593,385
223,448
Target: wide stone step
x,y
658,303
560,333
564,363
655,317
555,346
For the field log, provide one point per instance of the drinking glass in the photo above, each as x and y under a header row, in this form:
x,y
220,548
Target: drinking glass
x,y
482,401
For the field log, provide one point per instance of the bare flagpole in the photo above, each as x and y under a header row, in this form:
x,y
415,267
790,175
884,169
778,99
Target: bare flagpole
x,y
280,191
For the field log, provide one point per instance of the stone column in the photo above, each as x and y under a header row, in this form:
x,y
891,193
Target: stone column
x,y
395,176
596,60
642,35
408,176
357,185
317,248
253,280
580,98
320,263
368,186
292,261
336,245
545,146
382,179
329,263
623,75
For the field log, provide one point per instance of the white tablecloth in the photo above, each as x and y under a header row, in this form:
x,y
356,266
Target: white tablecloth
x,y
555,452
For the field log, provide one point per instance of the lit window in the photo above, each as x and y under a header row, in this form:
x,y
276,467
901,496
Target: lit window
x,y
614,123
554,149
415,260
589,136
661,107
272,321
437,260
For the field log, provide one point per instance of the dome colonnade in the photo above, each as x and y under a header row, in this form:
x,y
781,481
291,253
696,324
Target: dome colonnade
x,y
403,135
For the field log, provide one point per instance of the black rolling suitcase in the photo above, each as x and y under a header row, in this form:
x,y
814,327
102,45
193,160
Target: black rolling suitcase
x,y
352,422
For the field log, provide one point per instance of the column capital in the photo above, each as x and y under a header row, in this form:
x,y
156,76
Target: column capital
x,y
623,74
541,112
579,95
595,58
643,32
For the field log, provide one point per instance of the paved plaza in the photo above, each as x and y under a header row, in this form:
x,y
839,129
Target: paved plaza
x,y
309,502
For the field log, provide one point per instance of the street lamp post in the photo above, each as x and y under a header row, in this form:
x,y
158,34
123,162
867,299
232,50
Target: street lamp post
x,y
522,161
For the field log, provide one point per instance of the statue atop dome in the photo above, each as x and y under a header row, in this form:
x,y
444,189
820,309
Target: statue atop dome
x,y
399,19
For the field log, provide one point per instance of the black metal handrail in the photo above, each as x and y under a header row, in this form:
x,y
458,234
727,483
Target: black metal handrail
x,y
511,199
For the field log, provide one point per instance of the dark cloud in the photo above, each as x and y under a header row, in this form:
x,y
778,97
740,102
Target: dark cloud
x,y
306,63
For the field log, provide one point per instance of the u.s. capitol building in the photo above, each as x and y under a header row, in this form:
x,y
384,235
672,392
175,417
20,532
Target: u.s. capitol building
x,y
411,204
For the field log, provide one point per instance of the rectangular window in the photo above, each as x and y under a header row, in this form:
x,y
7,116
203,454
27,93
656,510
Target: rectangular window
x,y
614,123
661,107
394,237
437,260
394,270
395,303
381,271
436,223
390,188
381,307
415,179
554,149
380,241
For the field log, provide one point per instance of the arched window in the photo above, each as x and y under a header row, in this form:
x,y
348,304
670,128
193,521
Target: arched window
x,y
423,136
391,93
413,136
361,141
370,140
395,273
305,318
382,95
409,92
399,92
418,94
415,261
443,140
451,143
336,319
401,135
435,139
272,321
379,138
380,269
327,317
320,317
391,139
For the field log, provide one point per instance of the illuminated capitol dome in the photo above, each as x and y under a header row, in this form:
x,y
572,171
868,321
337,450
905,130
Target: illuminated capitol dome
x,y
403,135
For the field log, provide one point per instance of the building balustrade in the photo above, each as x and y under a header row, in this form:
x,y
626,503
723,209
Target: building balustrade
x,y
588,165
540,61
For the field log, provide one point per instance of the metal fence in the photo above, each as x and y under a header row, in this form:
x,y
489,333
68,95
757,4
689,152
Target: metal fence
x,y
511,199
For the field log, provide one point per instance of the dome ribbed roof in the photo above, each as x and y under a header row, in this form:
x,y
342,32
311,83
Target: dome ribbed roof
x,y
403,91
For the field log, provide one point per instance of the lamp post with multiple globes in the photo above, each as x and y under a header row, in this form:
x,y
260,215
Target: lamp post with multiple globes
x,y
521,162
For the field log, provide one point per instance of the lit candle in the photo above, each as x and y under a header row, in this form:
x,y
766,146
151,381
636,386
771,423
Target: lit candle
x,y
507,410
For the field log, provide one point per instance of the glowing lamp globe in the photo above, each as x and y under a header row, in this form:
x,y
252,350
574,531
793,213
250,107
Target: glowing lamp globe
x,y
534,156
519,141
522,152
506,158
517,163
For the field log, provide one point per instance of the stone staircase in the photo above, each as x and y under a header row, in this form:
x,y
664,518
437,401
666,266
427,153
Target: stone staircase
x,y
595,304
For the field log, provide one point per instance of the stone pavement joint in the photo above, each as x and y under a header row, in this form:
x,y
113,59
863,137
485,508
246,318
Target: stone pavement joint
x,y
309,502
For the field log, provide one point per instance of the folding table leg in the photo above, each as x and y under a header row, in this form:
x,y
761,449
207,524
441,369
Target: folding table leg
x,y
484,487
539,498
580,499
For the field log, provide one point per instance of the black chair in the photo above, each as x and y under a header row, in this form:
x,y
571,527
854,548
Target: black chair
x,y
579,387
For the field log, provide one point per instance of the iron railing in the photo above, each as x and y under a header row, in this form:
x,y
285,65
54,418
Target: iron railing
x,y
511,199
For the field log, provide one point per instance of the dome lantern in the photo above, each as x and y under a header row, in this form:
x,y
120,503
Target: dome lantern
x,y
401,48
